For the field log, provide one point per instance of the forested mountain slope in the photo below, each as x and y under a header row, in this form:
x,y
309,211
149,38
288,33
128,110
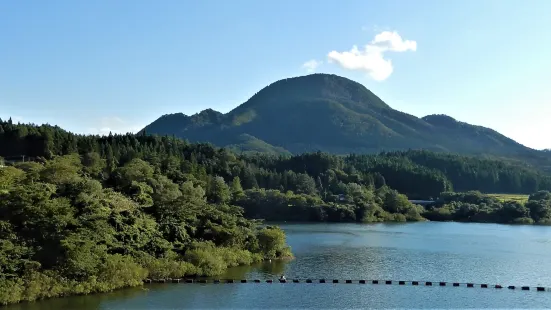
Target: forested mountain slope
x,y
336,115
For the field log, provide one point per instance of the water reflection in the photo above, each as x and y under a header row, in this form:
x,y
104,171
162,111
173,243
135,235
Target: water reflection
x,y
262,271
85,302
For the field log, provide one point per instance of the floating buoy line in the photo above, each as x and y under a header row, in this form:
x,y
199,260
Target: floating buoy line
x,y
337,281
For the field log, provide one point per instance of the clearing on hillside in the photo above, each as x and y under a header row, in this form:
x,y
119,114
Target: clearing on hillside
x,y
508,197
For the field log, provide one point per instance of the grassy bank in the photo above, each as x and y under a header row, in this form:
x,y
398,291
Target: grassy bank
x,y
118,271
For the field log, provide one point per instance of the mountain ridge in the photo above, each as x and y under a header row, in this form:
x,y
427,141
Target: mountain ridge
x,y
337,115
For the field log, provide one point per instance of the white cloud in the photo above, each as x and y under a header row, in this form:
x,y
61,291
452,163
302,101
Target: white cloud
x,y
311,65
392,41
115,125
371,59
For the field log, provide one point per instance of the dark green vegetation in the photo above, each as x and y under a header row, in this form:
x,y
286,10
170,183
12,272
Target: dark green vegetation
x,y
119,211
88,214
476,207
336,115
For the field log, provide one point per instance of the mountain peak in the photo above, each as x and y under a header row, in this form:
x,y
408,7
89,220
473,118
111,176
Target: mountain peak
x,y
330,113
312,87
173,115
209,112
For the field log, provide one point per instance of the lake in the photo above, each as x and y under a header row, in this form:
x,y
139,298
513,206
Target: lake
x,y
428,251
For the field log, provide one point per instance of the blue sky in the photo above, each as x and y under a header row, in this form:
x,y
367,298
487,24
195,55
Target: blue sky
x,y
92,66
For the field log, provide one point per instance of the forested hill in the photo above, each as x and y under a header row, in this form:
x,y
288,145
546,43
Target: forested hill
x,y
336,115
418,174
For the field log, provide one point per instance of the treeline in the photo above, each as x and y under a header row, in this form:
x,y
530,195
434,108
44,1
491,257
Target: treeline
x,y
475,207
334,195
91,214
417,174
362,204
482,174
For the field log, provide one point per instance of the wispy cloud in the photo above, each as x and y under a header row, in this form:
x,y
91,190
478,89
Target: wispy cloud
x,y
311,65
371,59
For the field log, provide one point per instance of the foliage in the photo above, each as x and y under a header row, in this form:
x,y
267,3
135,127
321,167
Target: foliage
x,y
69,226
362,204
476,207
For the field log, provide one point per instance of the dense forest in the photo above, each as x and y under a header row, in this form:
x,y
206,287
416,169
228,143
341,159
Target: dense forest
x,y
78,223
475,207
433,172
113,210
69,227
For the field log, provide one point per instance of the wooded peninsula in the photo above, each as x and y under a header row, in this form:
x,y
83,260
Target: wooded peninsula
x,y
82,214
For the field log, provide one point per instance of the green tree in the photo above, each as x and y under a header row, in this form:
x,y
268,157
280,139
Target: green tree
x,y
93,164
62,169
220,192
32,170
9,176
305,184
540,210
540,195
236,189
271,241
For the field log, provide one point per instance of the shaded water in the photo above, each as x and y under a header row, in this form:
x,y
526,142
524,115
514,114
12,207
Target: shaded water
x,y
452,252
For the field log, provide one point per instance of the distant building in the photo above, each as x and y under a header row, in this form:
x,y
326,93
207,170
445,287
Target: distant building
x,y
342,197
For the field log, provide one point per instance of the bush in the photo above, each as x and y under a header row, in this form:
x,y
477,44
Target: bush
x,y
11,291
523,220
207,260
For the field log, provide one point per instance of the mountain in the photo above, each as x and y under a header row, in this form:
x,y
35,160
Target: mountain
x,y
337,115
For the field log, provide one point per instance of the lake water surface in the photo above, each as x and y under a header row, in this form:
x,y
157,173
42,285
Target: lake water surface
x,y
430,251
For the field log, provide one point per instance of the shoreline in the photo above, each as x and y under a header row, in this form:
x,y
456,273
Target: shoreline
x,y
183,279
